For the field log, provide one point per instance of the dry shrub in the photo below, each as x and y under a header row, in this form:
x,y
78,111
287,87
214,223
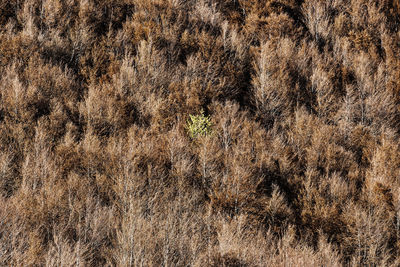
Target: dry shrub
x,y
300,166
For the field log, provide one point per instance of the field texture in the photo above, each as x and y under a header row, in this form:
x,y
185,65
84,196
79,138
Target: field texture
x,y
199,133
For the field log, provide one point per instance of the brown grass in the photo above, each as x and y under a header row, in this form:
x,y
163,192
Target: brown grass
x,y
301,166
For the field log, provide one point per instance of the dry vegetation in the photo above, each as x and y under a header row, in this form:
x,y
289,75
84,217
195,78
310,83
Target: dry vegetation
x,y
301,166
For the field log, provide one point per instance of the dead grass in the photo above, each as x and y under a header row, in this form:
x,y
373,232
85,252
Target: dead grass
x,y
300,169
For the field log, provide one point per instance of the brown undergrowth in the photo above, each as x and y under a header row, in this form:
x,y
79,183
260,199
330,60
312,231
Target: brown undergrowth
x,y
300,167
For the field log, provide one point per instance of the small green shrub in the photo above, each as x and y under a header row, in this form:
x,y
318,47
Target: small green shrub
x,y
199,125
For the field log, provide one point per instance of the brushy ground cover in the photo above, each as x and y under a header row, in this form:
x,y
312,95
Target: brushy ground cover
x,y
298,163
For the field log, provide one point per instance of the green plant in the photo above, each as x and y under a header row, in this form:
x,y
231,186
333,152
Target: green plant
x,y
199,125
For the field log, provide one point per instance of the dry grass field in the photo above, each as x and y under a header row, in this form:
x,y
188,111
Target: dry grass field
x,y
199,133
